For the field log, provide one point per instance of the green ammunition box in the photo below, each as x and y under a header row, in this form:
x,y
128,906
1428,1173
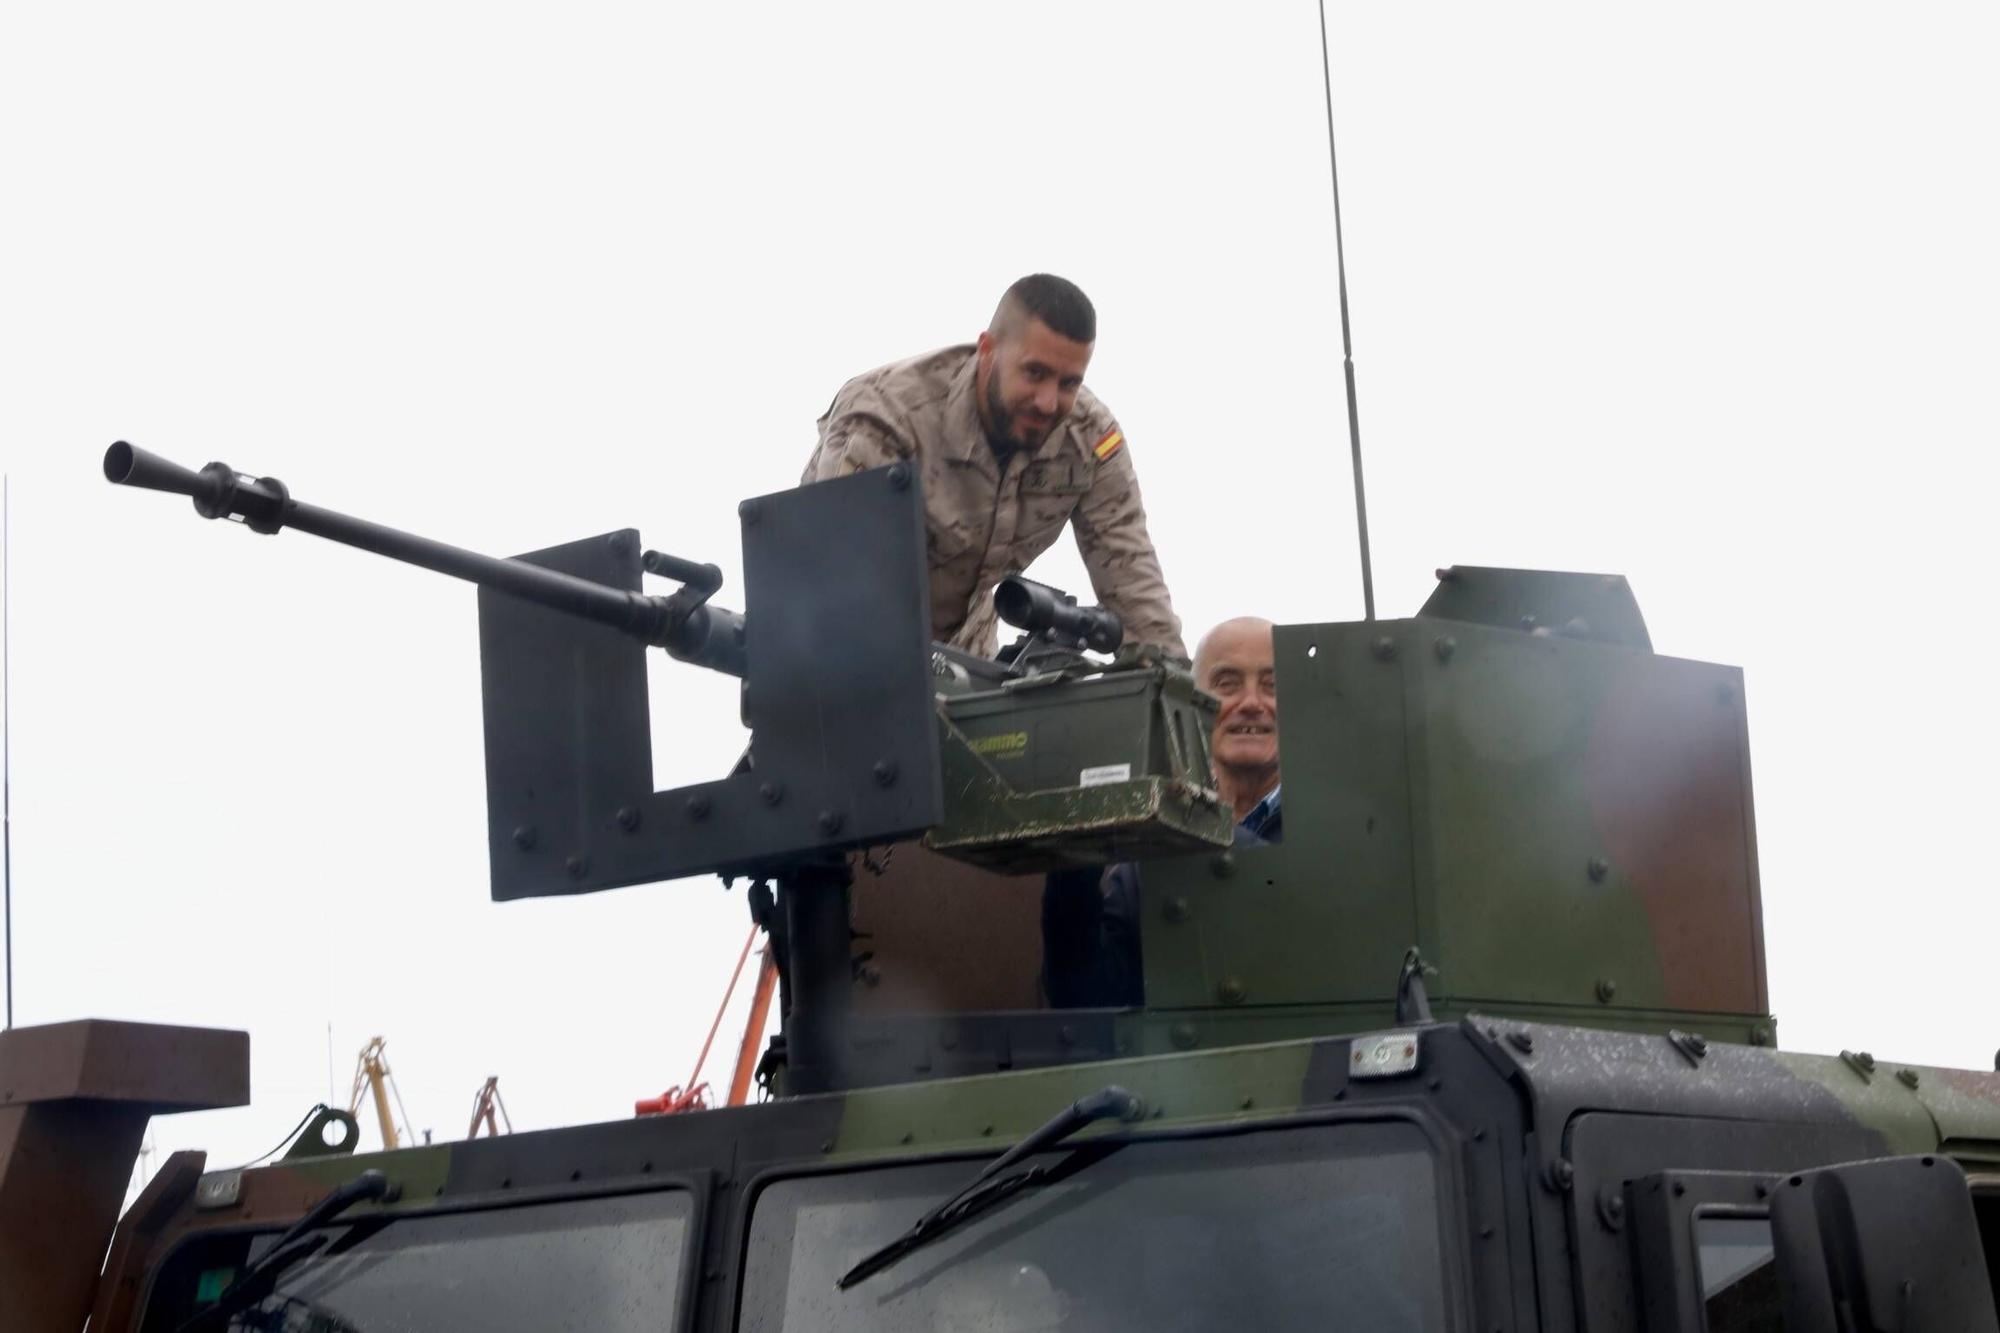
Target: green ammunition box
x,y
1070,770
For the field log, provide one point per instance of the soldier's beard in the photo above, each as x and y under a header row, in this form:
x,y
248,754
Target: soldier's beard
x,y
1003,433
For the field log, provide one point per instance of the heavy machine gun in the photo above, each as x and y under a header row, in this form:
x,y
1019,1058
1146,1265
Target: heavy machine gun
x,y
1052,760
561,637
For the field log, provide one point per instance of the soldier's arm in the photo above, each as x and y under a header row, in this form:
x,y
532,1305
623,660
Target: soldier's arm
x,y
853,443
1124,570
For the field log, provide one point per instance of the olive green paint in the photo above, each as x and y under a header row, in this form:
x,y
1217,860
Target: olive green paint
x,y
997,1109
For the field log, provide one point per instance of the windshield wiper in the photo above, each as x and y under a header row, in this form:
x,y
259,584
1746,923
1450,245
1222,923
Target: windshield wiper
x,y
296,1243
989,1189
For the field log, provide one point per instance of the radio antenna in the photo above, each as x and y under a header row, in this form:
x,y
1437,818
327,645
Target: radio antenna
x,y
7,728
1346,336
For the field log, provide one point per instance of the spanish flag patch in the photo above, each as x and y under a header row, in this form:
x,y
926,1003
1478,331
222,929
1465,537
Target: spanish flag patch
x,y
1109,445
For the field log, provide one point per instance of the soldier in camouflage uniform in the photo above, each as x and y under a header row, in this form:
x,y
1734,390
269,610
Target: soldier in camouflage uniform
x,y
1011,447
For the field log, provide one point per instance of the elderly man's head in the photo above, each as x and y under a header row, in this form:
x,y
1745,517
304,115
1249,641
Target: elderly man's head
x,y
1236,663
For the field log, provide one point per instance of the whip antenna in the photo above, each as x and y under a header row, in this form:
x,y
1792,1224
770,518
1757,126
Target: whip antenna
x,y
7,728
1346,337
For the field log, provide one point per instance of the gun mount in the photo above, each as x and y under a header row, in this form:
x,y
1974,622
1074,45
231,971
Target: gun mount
x,y
571,805
1047,762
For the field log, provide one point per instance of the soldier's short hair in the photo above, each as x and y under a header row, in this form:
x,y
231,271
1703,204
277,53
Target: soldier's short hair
x,y
1057,302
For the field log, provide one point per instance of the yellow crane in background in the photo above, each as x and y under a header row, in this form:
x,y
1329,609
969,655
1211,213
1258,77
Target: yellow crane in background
x,y
371,1075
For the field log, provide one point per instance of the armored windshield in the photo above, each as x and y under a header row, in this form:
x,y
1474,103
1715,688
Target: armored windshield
x,y
1307,1228
604,1265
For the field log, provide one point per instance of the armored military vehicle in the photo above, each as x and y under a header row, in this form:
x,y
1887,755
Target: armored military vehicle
x,y
1482,1045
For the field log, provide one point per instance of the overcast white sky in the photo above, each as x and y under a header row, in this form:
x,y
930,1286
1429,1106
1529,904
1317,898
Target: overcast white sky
x,y
1705,296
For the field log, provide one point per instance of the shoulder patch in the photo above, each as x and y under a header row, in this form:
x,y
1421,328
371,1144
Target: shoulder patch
x,y
1109,445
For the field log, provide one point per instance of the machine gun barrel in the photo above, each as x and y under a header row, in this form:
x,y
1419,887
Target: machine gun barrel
x,y
705,635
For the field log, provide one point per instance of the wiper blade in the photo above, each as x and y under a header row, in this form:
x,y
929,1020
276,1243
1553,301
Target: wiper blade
x,y
295,1244
990,1188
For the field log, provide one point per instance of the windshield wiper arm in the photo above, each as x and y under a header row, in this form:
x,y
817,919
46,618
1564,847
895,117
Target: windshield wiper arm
x,y
989,1189
295,1244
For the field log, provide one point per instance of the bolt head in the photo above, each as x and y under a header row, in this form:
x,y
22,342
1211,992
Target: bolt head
x,y
750,511
1182,1035
525,837
1522,1040
698,805
578,865
1232,991
628,817
1908,1077
1606,989
1222,865
899,476
1446,647
885,772
1177,909
1611,1208
772,792
1385,649
1599,868
828,822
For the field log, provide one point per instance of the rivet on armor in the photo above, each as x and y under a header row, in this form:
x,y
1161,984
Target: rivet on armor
x,y
524,837
1182,1035
628,817
1598,868
1611,1207
1445,647
1606,989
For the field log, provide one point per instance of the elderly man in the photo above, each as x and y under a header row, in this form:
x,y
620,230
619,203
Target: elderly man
x,y
1011,448
1090,919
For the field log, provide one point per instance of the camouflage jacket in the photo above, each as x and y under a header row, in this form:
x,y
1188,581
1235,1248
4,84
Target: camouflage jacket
x,y
986,519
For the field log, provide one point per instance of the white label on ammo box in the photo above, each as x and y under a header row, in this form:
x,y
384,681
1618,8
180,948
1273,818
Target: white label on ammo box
x,y
1105,774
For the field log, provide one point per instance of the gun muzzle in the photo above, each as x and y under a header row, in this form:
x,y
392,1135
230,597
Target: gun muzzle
x,y
1040,609
218,490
